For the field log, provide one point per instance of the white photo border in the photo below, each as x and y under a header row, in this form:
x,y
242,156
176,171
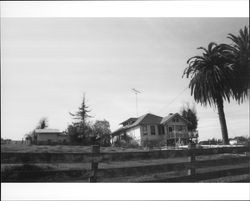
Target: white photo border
x,y
130,191
175,8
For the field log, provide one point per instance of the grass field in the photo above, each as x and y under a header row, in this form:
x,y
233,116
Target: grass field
x,y
60,148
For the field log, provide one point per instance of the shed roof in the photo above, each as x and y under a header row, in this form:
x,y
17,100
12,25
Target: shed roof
x,y
46,130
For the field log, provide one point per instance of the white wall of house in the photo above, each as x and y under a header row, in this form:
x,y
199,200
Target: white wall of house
x,y
115,138
139,135
135,133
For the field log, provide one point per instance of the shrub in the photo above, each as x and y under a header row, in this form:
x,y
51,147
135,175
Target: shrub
x,y
153,143
126,142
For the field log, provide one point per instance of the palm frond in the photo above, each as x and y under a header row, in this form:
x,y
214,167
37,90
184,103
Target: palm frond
x,y
210,77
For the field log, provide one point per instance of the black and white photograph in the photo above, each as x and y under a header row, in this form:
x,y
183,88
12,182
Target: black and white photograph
x,y
125,100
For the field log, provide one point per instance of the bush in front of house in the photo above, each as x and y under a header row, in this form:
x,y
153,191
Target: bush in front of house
x,y
126,142
153,143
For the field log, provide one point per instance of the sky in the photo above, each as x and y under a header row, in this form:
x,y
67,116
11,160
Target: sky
x,y
47,64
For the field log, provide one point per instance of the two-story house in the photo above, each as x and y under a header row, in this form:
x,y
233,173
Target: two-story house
x,y
170,130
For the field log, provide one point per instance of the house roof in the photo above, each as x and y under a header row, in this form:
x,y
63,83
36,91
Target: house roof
x,y
130,119
148,119
167,118
170,116
119,130
46,130
144,119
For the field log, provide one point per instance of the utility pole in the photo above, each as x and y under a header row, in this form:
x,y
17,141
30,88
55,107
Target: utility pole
x,y
136,92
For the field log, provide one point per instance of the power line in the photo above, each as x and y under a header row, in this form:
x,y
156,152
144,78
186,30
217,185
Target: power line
x,y
175,98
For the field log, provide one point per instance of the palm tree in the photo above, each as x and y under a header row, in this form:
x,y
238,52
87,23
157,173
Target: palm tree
x,y
238,57
210,82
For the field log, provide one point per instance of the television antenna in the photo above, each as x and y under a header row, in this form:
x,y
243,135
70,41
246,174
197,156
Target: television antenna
x,y
136,100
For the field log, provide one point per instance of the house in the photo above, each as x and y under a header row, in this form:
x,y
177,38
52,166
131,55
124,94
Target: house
x,y
171,130
50,136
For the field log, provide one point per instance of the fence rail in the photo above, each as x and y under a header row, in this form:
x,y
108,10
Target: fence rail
x,y
189,167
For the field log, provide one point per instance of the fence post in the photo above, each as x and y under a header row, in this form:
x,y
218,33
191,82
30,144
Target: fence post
x,y
191,159
94,165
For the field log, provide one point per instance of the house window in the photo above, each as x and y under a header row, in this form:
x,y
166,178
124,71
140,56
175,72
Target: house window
x,y
176,119
144,130
161,129
152,129
179,128
170,129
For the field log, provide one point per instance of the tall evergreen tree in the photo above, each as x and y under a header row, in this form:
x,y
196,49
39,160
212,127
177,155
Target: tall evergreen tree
x,y
80,131
83,112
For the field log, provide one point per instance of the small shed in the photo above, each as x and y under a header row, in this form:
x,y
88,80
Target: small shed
x,y
50,136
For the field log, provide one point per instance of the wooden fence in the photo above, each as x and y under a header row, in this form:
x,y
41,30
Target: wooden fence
x,y
189,165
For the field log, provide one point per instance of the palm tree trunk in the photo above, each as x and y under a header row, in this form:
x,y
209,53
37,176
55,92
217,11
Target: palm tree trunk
x,y
222,118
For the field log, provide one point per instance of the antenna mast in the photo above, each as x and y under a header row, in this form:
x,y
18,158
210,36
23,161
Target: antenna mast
x,y
136,92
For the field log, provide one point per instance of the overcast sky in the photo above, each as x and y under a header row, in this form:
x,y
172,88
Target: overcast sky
x,y
48,63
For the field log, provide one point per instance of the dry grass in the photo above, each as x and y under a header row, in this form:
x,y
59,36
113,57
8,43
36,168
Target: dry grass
x,y
59,148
